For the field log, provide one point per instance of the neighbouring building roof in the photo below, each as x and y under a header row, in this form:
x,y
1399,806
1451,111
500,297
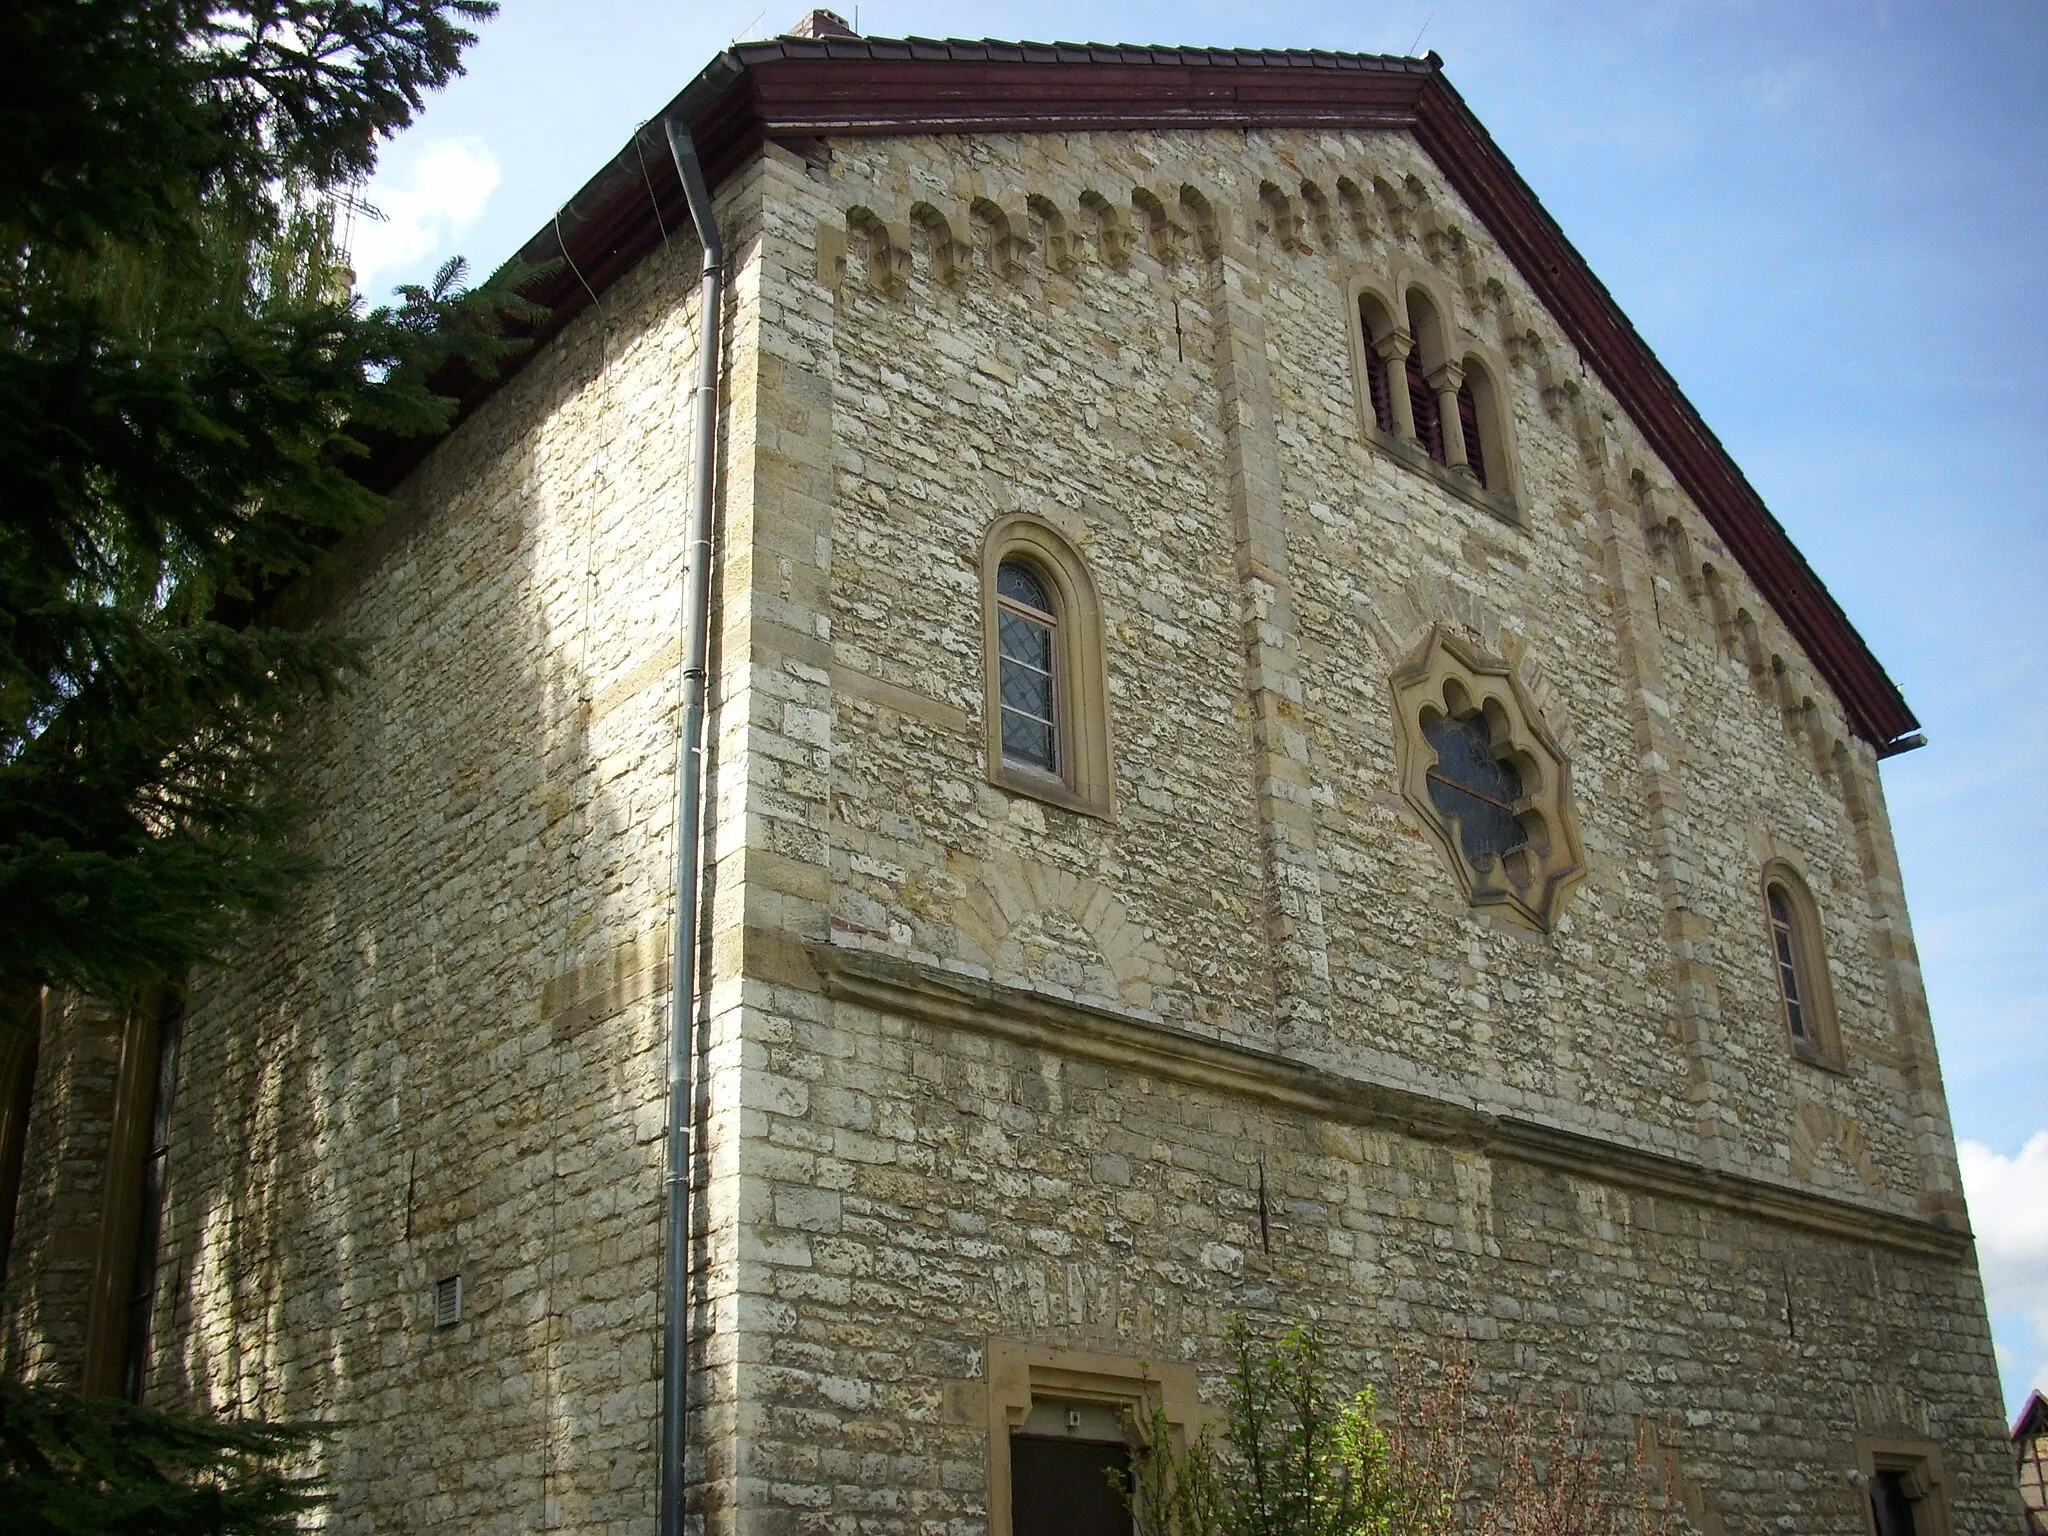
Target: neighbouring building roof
x,y
846,86
2033,1419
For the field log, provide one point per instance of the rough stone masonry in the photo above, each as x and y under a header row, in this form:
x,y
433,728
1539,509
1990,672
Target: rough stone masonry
x,y
980,1069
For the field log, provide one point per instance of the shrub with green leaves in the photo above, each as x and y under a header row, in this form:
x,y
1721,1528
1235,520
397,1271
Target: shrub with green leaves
x,y
1296,1454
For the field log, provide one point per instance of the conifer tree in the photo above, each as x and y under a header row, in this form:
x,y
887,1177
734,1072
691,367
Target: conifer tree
x,y
186,384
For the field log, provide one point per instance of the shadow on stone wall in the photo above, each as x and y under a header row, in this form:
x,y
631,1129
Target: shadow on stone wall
x,y
446,1059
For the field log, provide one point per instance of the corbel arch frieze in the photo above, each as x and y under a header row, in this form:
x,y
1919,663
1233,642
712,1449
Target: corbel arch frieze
x,y
1049,232
1356,204
1315,204
885,247
1109,228
937,232
1277,217
1393,208
1003,233
1487,778
1203,212
1163,237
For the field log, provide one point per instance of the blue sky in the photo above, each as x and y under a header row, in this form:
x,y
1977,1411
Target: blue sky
x,y
1828,219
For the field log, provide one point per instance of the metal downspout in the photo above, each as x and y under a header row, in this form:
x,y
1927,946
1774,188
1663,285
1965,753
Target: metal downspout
x,y
675,1294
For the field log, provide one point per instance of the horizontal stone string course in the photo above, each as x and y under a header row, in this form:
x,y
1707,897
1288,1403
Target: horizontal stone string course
x,y
1074,1029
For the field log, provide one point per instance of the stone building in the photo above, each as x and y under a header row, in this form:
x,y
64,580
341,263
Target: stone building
x,y
1261,759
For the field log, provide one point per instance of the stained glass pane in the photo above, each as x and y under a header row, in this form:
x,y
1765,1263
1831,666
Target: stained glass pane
x,y
1026,740
1026,691
1474,788
1024,640
1019,585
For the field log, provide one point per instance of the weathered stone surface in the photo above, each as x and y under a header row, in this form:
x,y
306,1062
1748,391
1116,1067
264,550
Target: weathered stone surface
x,y
448,1058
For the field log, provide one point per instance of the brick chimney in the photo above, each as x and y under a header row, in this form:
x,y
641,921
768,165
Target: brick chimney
x,y
821,24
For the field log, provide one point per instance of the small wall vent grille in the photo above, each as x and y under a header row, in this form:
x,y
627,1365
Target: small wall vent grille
x,y
448,1302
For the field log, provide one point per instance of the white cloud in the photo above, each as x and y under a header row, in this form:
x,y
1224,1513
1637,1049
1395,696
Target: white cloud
x,y
427,198
2009,1209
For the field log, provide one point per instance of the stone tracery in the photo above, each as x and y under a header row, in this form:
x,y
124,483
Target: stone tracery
x,y
1488,779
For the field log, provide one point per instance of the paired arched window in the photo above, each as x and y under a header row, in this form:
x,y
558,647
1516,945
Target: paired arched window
x,y
1431,391
1799,966
1047,696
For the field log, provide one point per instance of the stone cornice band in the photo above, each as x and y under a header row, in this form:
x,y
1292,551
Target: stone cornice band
x,y
1073,1029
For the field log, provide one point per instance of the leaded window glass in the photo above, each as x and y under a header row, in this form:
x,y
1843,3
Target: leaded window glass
x,y
1026,640
1474,788
1785,941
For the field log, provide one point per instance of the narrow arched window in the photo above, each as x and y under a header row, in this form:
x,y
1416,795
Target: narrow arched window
x,y
1799,963
1046,682
1468,424
1429,429
1027,650
1785,941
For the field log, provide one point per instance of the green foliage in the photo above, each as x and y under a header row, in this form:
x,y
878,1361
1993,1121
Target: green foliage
x,y
1297,1455
74,1468
185,382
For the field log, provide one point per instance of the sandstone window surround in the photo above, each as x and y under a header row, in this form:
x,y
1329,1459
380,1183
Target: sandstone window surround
x,y
1038,1393
1488,779
1430,397
1798,954
1046,688
1905,1488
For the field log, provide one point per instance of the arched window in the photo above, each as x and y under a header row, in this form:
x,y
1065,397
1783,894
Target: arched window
x,y
1799,966
1381,343
1432,394
1047,687
1378,389
1027,645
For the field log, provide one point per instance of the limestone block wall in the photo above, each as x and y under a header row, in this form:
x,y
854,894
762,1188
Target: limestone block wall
x,y
448,1057
57,1234
1160,366
1102,332
1004,1176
